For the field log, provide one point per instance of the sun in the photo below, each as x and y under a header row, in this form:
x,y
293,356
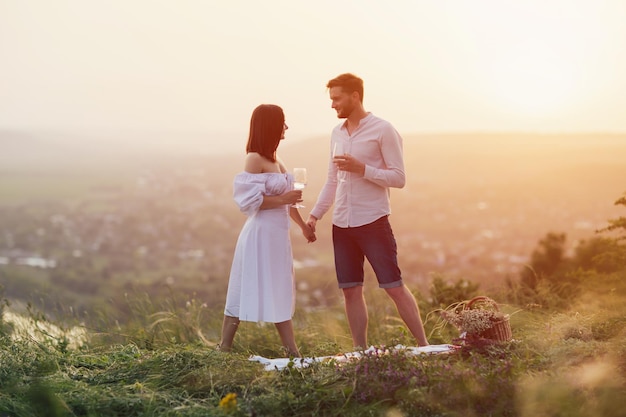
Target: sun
x,y
533,79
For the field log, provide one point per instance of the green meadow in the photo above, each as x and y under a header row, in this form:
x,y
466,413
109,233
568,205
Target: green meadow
x,y
562,361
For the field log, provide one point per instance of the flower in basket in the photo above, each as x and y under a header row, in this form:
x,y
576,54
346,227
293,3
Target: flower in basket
x,y
472,321
477,319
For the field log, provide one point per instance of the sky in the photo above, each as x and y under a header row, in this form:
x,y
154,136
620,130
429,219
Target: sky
x,y
202,66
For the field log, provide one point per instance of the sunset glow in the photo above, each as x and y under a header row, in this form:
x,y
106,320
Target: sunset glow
x,y
534,81
201,67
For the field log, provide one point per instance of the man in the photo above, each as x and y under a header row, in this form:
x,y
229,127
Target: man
x,y
372,162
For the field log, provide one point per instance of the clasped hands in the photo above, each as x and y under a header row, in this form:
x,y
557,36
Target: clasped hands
x,y
309,233
295,196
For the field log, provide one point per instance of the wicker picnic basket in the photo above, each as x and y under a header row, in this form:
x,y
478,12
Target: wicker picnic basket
x,y
501,329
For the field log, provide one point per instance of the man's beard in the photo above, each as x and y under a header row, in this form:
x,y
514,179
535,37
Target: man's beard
x,y
344,112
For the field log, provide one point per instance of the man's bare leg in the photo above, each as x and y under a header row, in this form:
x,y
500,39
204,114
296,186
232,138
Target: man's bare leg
x,y
409,312
356,311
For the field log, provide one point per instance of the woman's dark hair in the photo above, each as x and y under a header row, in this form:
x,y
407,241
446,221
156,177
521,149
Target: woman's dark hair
x,y
349,83
266,129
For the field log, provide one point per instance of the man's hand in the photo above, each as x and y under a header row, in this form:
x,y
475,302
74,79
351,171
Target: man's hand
x,y
349,163
312,222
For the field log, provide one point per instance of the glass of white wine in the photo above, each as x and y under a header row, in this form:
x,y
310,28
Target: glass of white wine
x,y
299,182
338,152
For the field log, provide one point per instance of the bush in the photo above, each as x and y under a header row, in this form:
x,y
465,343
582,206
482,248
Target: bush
x,y
600,254
443,293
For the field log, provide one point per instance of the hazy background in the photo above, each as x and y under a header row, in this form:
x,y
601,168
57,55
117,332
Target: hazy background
x,y
186,75
127,120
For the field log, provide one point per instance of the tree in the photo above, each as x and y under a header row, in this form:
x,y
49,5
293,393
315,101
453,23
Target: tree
x,y
600,254
614,258
619,223
546,259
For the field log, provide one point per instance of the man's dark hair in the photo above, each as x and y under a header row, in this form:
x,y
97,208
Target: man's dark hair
x,y
349,83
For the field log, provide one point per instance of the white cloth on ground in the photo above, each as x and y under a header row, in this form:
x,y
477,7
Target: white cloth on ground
x,y
281,363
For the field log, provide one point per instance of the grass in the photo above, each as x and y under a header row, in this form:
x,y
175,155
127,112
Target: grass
x,y
561,363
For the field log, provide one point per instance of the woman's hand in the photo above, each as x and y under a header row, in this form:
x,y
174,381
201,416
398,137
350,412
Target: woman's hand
x,y
308,233
292,197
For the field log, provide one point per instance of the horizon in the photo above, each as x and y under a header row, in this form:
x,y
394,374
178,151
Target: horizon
x,y
181,142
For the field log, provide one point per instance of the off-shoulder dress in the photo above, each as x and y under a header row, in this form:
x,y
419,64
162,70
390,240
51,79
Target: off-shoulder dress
x,y
261,286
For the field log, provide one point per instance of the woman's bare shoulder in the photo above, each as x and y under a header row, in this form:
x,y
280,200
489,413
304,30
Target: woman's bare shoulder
x,y
254,163
281,164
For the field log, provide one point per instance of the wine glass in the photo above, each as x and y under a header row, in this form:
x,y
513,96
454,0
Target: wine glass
x,y
338,152
299,182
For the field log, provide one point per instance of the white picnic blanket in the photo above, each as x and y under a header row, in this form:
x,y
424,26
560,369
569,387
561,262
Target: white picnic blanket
x,y
281,363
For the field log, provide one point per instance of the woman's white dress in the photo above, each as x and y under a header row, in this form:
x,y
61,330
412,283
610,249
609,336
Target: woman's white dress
x,y
261,283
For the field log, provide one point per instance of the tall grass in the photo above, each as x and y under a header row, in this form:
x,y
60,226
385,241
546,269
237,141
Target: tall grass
x,y
567,362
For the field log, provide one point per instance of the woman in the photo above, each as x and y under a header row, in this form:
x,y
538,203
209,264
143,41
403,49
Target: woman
x,y
261,284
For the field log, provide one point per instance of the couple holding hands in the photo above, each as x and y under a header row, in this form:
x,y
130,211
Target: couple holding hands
x,y
261,286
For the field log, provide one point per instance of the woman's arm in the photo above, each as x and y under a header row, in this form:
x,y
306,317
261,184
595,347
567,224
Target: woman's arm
x,y
256,164
307,231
